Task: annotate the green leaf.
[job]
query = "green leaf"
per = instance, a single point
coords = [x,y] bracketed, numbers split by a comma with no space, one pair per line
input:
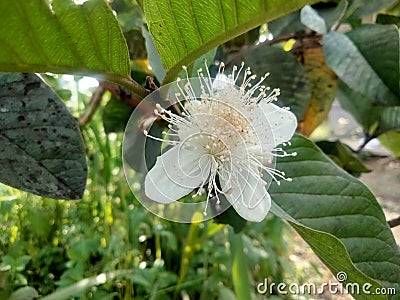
[361,8]
[286,73]
[184,30]
[21,262]
[332,15]
[225,294]
[344,157]
[199,63]
[390,119]
[24,293]
[62,38]
[41,148]
[391,141]
[388,19]
[291,23]
[40,222]
[116,115]
[84,284]
[150,149]
[353,57]
[228,216]
[338,216]
[240,277]
[359,106]
[310,17]
[287,24]
[374,118]
[154,57]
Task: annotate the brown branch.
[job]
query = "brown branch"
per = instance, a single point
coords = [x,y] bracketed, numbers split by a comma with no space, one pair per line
[125,96]
[93,105]
[394,222]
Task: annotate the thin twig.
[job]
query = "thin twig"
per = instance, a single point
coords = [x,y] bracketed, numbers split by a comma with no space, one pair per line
[93,105]
[394,222]
[368,138]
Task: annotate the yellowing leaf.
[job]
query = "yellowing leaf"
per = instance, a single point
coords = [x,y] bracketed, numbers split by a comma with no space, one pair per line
[323,89]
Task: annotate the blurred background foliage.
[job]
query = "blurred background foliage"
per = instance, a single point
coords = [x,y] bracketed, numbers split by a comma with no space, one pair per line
[107,246]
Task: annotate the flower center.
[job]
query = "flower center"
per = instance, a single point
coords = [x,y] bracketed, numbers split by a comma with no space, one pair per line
[226,123]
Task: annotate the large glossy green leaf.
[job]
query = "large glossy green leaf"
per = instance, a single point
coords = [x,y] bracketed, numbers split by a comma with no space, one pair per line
[367,60]
[335,213]
[184,30]
[62,38]
[286,73]
[41,147]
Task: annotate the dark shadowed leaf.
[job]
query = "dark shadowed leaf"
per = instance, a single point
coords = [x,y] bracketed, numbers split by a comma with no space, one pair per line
[361,8]
[116,115]
[63,38]
[41,148]
[388,19]
[338,216]
[291,23]
[343,156]
[151,148]
[286,73]
[359,106]
[332,15]
[375,119]
[287,24]
[229,216]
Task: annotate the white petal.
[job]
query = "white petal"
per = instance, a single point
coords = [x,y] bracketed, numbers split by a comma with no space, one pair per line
[248,196]
[264,136]
[283,122]
[176,173]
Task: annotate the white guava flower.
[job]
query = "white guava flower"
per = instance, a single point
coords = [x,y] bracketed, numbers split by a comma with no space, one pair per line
[224,142]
